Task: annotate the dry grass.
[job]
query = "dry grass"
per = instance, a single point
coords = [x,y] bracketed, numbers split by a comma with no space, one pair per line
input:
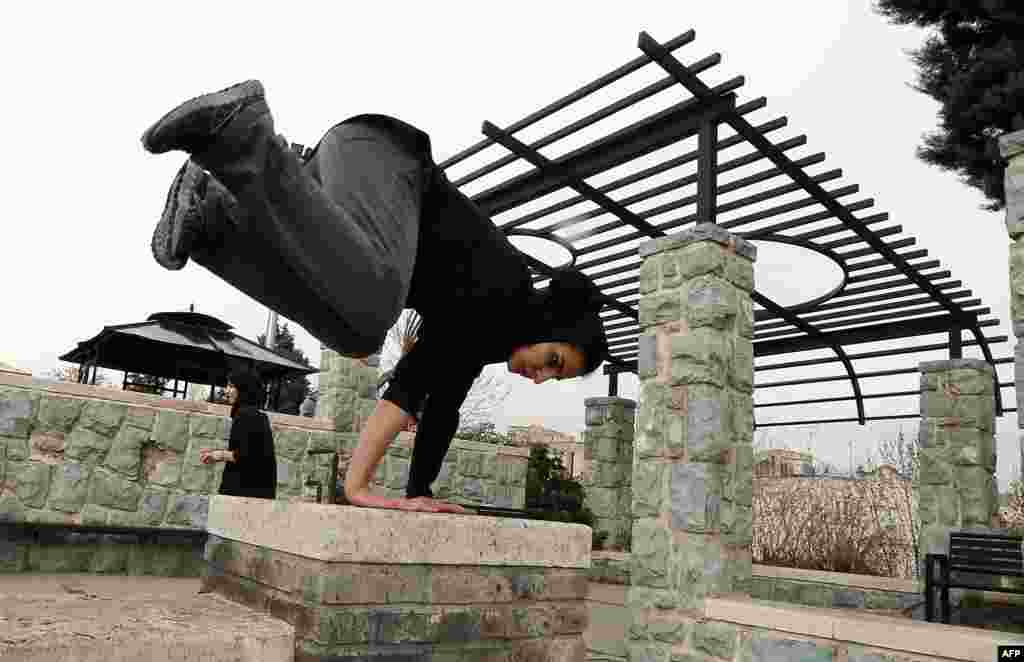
[836,525]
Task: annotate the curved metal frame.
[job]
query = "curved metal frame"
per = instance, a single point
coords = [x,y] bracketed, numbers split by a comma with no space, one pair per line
[547,236]
[820,250]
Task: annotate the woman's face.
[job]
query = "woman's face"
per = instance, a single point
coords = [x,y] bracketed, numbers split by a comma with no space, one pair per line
[231,393]
[547,360]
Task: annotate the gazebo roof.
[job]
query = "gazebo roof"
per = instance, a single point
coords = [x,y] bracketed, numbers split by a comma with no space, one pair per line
[678,147]
[182,345]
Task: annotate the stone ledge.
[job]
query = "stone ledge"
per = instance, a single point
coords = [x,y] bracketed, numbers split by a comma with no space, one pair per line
[406,440]
[896,634]
[90,392]
[838,579]
[343,534]
[955,364]
[700,232]
[598,402]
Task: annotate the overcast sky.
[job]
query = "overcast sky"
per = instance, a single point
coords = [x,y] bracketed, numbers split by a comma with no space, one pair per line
[82,197]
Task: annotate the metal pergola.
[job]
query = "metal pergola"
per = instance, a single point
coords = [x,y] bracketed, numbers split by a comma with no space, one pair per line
[600,201]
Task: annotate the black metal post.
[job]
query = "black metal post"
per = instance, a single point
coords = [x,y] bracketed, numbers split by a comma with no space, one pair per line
[707,145]
[944,565]
[956,347]
[929,587]
[613,384]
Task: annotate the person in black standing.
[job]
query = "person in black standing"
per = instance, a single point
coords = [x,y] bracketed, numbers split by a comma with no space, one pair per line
[250,468]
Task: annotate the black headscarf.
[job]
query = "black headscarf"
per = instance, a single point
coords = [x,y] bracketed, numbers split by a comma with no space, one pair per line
[250,390]
[567,312]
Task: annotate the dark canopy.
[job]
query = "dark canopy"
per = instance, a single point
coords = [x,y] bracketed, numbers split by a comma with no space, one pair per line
[184,346]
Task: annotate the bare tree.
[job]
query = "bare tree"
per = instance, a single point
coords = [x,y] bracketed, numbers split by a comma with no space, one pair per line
[72,373]
[903,454]
[487,393]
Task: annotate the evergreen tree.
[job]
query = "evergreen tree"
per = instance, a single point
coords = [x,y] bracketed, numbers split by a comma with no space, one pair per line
[972,63]
[295,389]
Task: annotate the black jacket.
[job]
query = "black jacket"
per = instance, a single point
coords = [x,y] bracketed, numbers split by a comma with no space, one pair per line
[474,291]
[254,473]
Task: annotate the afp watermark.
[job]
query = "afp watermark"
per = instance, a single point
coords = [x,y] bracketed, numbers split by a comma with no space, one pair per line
[1015,652]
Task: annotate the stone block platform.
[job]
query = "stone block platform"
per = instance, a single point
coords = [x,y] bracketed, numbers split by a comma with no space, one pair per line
[365,584]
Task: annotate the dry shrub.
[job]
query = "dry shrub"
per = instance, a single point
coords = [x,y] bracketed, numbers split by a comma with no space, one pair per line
[837,525]
[1011,516]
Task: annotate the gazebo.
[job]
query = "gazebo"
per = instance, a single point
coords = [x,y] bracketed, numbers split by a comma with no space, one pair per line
[187,347]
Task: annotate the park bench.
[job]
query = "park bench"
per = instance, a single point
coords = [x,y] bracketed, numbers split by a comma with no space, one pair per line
[971,558]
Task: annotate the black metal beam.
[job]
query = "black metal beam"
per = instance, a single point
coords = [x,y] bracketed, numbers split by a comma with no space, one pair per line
[841,398]
[594,86]
[611,302]
[991,340]
[707,164]
[686,202]
[908,329]
[565,177]
[676,123]
[594,117]
[641,175]
[700,90]
[764,315]
[812,332]
[821,421]
[898,306]
[873,318]
[734,185]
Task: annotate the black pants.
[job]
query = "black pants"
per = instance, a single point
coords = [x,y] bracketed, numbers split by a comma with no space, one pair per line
[329,243]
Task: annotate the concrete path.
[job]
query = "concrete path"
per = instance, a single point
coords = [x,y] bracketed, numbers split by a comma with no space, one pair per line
[95,618]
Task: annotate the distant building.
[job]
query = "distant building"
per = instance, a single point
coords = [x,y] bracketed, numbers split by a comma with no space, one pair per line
[570,447]
[781,463]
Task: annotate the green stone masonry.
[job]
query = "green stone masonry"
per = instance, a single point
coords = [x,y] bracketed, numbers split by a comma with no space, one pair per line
[81,455]
[692,471]
[1011,147]
[957,488]
[348,389]
[608,450]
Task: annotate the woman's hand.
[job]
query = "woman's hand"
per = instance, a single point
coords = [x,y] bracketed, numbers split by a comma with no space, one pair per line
[211,455]
[364,499]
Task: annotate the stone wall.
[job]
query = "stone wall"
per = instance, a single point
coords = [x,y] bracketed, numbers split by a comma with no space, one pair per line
[693,460]
[1011,147]
[608,444]
[85,455]
[958,453]
[814,588]
[348,390]
[472,473]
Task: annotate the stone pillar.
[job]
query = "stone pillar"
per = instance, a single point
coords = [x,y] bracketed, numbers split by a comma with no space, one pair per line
[693,460]
[608,451]
[358,583]
[348,389]
[1011,148]
[957,450]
